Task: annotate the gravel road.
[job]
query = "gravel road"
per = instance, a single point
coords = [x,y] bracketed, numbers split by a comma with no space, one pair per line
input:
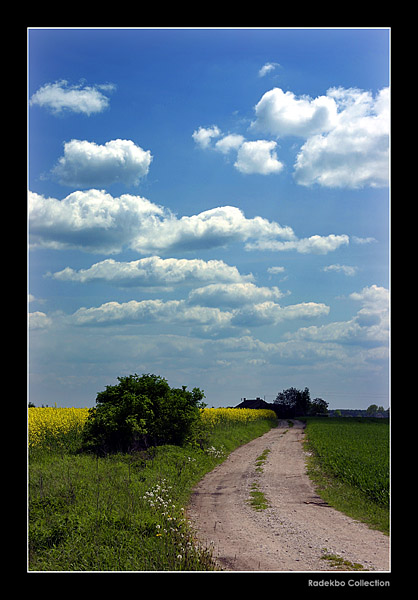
[292,533]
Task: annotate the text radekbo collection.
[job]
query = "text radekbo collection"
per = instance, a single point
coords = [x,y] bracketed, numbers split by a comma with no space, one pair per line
[349,583]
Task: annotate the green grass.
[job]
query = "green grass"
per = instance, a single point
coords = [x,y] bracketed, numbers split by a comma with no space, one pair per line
[349,464]
[257,498]
[123,512]
[340,563]
[260,460]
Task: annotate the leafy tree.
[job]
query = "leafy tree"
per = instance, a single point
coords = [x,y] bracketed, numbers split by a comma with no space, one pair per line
[292,402]
[318,407]
[142,411]
[373,409]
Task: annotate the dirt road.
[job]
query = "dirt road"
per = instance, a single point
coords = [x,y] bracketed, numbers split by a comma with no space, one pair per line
[292,533]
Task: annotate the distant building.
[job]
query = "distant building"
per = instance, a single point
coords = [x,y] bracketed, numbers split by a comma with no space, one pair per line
[257,403]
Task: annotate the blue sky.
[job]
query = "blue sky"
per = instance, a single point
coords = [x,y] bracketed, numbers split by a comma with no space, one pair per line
[212,206]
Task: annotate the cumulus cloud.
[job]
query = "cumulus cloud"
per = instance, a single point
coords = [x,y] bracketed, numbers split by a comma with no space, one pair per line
[209,229]
[258,157]
[95,221]
[275,270]
[87,164]
[232,294]
[181,312]
[60,96]
[316,244]
[229,142]
[146,311]
[282,114]
[204,135]
[344,133]
[154,271]
[38,320]
[355,152]
[346,269]
[92,220]
[271,313]
[373,296]
[370,327]
[267,68]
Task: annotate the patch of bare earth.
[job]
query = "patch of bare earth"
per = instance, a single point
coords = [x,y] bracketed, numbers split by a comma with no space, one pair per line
[292,533]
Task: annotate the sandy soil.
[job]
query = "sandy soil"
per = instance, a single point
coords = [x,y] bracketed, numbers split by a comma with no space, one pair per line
[292,533]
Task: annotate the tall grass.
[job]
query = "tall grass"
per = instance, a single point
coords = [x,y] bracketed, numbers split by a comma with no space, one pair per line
[125,512]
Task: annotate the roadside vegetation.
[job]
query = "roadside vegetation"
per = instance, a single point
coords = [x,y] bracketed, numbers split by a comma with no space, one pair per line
[101,501]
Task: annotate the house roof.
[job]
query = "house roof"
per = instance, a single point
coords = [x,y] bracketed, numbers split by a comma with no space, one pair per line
[258,403]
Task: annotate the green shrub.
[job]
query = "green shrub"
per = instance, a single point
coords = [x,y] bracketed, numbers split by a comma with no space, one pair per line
[142,411]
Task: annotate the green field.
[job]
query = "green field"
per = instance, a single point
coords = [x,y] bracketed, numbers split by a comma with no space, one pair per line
[349,462]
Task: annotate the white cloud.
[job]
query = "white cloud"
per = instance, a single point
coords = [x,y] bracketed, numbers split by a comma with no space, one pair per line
[208,319]
[275,270]
[355,152]
[232,295]
[345,133]
[60,96]
[374,295]
[316,244]
[95,221]
[229,142]
[258,157]
[86,164]
[346,269]
[204,135]
[282,113]
[370,327]
[154,271]
[360,240]
[209,229]
[270,313]
[39,320]
[90,220]
[305,310]
[174,312]
[267,68]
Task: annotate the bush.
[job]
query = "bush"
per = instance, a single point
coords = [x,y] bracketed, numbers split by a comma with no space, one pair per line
[142,411]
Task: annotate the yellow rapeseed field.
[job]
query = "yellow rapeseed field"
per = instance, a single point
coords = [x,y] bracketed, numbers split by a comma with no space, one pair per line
[217,416]
[52,423]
